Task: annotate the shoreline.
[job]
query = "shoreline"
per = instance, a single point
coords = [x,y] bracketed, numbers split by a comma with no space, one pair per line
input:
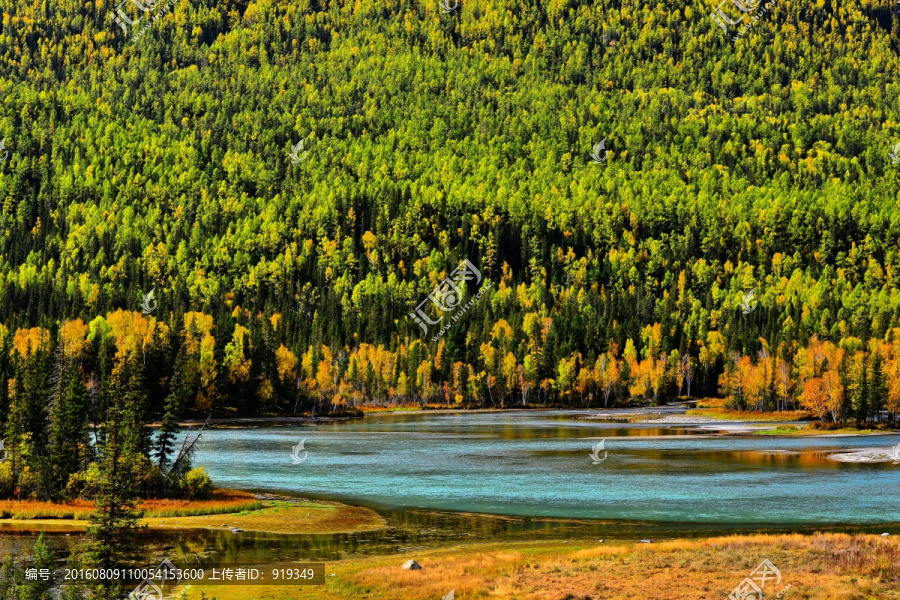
[284,515]
[249,421]
[676,415]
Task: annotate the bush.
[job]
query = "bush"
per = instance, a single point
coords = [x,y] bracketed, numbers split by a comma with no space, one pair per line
[825,425]
[148,477]
[196,484]
[7,480]
[84,484]
[75,486]
[27,484]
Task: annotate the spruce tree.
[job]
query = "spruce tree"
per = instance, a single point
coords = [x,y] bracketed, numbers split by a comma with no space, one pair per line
[877,385]
[69,442]
[115,520]
[168,429]
[41,558]
[10,579]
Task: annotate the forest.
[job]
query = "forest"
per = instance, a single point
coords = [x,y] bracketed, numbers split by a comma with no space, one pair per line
[219,208]
[166,253]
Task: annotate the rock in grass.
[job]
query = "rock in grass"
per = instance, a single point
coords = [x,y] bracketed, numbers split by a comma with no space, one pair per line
[646,541]
[411,565]
[885,534]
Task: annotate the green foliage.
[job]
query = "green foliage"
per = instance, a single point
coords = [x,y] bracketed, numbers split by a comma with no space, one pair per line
[196,484]
[41,558]
[121,464]
[13,583]
[7,479]
[69,448]
[163,163]
[84,484]
[10,579]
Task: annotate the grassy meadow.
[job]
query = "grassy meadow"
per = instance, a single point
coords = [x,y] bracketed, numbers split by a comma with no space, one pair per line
[821,567]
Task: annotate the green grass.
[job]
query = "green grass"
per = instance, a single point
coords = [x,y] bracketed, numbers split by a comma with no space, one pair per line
[205,510]
[780,430]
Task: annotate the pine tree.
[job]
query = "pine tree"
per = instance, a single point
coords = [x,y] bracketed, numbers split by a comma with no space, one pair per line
[877,385]
[5,374]
[69,443]
[859,391]
[115,520]
[175,402]
[132,389]
[41,558]
[35,374]
[10,579]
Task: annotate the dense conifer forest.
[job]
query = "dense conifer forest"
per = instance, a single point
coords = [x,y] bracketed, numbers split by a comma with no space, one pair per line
[736,233]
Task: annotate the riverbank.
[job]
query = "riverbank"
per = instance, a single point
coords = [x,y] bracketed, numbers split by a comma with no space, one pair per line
[818,566]
[233,510]
[713,413]
[259,421]
[707,412]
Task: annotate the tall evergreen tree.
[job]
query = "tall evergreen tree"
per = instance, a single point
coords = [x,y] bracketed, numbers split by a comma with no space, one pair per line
[41,558]
[69,439]
[165,437]
[877,386]
[115,520]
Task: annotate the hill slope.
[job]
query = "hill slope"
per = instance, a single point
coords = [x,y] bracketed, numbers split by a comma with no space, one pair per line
[163,162]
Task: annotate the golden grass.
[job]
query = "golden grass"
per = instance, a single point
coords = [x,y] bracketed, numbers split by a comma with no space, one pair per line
[810,431]
[712,403]
[33,509]
[783,430]
[748,415]
[821,567]
[391,408]
[222,501]
[269,516]
[283,517]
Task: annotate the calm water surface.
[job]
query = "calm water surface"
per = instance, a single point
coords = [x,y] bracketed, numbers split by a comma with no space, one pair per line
[538,464]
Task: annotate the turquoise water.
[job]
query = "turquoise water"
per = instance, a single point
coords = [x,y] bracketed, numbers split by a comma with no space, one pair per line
[538,464]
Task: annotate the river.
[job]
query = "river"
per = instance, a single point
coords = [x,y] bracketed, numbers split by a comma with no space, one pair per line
[539,464]
[446,478]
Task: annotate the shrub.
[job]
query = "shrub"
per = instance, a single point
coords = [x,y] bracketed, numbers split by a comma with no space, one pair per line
[196,484]
[148,477]
[75,485]
[27,484]
[88,482]
[7,480]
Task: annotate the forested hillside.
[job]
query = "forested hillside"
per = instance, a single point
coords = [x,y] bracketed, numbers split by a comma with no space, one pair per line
[162,163]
